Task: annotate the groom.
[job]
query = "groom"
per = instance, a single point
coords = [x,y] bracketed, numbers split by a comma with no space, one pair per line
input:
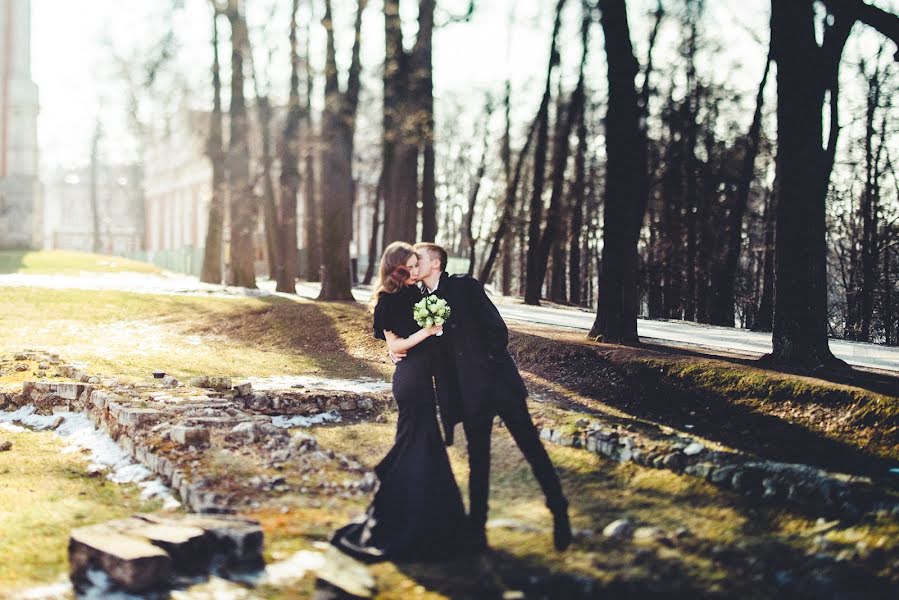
[483,381]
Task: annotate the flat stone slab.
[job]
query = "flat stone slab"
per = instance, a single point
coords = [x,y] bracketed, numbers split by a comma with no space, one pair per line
[132,563]
[141,552]
[189,436]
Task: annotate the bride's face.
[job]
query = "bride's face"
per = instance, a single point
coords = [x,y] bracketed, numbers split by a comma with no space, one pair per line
[412,265]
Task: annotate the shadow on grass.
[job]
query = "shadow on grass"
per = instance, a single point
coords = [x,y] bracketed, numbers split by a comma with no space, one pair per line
[878,382]
[329,334]
[616,377]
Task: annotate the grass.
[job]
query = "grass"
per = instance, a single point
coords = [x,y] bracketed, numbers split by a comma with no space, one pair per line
[44,495]
[131,335]
[69,262]
[600,491]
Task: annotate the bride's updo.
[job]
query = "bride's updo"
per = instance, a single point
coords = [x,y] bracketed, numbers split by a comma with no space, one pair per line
[393,272]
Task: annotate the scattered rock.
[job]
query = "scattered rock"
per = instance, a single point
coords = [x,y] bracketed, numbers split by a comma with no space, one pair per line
[200,381]
[243,389]
[189,436]
[220,383]
[21,367]
[5,446]
[169,381]
[621,528]
[693,449]
[302,442]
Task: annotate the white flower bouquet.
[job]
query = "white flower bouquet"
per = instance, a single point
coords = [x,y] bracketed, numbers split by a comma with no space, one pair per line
[430,311]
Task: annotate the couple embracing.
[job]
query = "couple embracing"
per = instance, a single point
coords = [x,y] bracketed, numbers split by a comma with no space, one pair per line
[464,365]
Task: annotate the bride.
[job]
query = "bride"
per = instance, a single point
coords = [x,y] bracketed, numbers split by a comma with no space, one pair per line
[417,512]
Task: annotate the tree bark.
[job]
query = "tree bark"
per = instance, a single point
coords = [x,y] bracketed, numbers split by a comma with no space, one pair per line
[312,222]
[212,252]
[534,274]
[338,128]
[625,193]
[290,171]
[243,222]
[506,215]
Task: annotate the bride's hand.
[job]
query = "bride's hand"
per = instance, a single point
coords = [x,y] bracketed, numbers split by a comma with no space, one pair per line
[436,329]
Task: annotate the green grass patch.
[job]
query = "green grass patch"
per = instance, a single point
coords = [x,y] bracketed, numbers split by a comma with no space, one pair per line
[43,496]
[69,262]
[131,335]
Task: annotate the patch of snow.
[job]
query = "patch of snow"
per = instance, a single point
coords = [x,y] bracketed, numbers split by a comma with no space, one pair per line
[304,421]
[360,386]
[293,568]
[79,434]
[127,281]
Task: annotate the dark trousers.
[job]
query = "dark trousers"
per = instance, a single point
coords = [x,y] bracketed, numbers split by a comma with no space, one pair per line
[517,419]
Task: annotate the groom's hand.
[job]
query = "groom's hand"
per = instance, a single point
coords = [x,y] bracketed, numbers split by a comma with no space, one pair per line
[396,356]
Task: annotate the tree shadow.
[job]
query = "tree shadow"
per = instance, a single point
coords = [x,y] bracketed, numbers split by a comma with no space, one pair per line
[645,393]
[316,331]
[872,380]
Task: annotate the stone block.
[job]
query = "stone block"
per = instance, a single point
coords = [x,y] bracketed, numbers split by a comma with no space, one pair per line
[189,436]
[132,563]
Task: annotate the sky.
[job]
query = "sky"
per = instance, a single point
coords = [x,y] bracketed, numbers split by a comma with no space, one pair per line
[72,45]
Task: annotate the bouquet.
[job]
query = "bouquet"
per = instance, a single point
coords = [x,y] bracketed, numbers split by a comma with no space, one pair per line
[431,311]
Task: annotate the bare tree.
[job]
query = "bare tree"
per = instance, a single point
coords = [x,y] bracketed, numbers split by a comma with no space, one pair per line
[807,73]
[337,185]
[626,183]
[290,172]
[243,222]
[212,252]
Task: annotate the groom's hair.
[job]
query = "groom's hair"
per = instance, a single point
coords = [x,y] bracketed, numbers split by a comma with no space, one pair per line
[433,250]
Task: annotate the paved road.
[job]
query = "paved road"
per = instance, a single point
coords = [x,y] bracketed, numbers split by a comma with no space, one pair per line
[677,332]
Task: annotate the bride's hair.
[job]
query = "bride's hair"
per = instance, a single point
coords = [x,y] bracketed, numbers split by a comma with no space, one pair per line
[393,272]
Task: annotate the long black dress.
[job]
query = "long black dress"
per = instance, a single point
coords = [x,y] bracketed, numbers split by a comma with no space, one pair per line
[417,512]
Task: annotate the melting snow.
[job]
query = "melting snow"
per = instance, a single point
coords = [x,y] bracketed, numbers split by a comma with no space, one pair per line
[79,433]
[304,421]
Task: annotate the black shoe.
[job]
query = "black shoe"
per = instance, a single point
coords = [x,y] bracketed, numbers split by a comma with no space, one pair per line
[561,530]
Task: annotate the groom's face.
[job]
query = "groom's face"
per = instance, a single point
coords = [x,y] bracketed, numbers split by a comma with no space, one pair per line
[429,264]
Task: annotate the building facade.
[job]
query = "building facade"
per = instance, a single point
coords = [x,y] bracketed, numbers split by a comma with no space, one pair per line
[69,209]
[20,189]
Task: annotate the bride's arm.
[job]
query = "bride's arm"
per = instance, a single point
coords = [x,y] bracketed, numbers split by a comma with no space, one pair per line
[396,343]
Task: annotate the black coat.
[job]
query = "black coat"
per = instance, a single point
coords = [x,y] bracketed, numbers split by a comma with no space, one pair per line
[477,371]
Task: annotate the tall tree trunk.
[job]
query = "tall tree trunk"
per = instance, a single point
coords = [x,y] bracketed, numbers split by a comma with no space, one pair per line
[578,192]
[723,308]
[375,227]
[408,127]
[800,299]
[869,207]
[765,312]
[534,275]
[312,222]
[423,85]
[508,211]
[270,209]
[690,109]
[338,128]
[212,252]
[626,187]
[243,222]
[290,171]
[470,241]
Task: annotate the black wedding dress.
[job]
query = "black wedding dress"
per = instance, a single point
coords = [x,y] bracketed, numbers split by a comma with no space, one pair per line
[417,512]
